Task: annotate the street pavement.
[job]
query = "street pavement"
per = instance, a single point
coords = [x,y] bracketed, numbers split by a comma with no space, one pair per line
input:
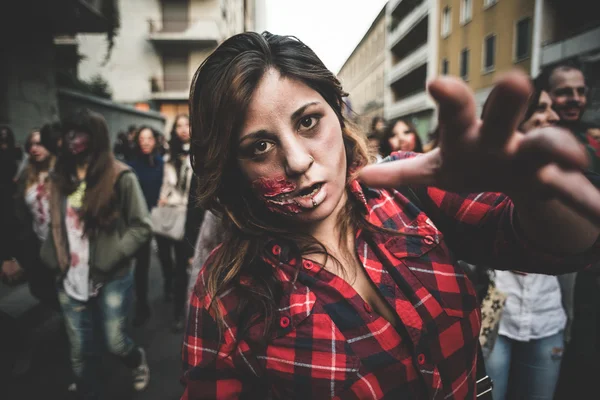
[42,368]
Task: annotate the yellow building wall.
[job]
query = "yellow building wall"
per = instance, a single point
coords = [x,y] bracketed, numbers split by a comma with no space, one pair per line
[499,19]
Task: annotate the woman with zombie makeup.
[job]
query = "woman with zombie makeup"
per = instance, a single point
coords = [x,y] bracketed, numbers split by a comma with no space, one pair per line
[99,220]
[400,136]
[148,165]
[330,282]
[33,216]
[175,191]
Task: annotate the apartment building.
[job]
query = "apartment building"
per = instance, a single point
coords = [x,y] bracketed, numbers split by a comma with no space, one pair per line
[160,45]
[363,74]
[479,39]
[411,61]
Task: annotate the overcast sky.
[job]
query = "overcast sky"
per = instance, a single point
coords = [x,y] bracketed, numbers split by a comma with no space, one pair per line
[332,28]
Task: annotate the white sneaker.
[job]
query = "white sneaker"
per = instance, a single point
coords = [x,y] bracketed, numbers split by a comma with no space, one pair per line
[141,374]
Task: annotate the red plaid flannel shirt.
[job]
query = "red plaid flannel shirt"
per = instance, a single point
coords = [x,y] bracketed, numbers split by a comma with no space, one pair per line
[328,343]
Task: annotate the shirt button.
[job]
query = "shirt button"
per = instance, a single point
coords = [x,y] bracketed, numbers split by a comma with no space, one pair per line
[428,240]
[368,308]
[308,264]
[421,359]
[276,250]
[284,322]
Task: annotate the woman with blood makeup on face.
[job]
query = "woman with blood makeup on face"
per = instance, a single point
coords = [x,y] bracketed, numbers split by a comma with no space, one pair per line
[98,221]
[32,213]
[335,279]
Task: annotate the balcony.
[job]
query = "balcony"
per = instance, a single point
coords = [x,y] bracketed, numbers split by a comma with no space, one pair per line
[408,23]
[408,64]
[175,88]
[419,101]
[203,33]
[572,47]
[401,8]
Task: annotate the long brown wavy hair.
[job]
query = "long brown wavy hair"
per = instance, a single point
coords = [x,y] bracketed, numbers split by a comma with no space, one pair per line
[220,94]
[34,169]
[100,209]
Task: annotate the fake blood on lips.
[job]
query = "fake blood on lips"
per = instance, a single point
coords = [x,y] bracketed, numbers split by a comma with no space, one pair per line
[271,188]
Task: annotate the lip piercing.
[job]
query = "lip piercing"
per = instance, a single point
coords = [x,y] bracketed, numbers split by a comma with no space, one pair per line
[314,202]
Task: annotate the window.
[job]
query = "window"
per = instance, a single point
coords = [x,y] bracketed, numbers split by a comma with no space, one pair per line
[446,22]
[464,64]
[466,11]
[445,66]
[489,3]
[523,38]
[489,53]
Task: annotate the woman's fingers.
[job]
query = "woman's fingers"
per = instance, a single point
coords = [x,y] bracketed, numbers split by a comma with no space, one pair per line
[420,170]
[456,105]
[505,108]
[552,145]
[573,189]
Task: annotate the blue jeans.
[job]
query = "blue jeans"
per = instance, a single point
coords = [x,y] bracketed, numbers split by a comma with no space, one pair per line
[525,370]
[101,320]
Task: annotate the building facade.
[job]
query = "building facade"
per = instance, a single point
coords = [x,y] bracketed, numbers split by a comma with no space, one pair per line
[160,45]
[363,74]
[411,59]
[480,39]
[28,84]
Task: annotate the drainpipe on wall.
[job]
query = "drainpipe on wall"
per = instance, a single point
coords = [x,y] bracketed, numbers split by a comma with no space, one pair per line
[536,39]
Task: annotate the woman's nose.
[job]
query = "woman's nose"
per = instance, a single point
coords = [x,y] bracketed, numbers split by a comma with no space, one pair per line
[297,160]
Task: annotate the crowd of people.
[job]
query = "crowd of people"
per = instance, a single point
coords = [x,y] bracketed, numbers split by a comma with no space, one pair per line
[313,260]
[77,210]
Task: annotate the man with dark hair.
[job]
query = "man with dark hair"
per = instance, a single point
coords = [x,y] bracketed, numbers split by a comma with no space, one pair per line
[565,83]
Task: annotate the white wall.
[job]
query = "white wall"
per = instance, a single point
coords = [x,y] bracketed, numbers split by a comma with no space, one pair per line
[133,60]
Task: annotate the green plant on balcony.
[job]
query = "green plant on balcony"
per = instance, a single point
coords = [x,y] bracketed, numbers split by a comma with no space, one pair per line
[110,9]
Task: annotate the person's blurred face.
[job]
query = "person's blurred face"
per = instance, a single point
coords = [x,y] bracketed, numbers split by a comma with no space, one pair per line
[543,115]
[37,152]
[291,150]
[379,126]
[594,133]
[568,93]
[146,141]
[182,128]
[403,138]
[77,142]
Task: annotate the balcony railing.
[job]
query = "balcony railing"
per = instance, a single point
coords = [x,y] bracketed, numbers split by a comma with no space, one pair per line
[170,88]
[419,101]
[203,31]
[571,47]
[408,23]
[408,64]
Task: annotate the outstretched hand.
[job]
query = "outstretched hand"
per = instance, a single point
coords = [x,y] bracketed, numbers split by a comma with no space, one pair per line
[490,154]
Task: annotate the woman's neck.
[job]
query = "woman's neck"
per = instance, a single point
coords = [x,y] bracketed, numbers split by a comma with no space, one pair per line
[337,239]
[81,171]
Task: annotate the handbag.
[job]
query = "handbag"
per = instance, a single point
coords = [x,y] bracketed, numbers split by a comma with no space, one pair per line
[169,221]
[491,312]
